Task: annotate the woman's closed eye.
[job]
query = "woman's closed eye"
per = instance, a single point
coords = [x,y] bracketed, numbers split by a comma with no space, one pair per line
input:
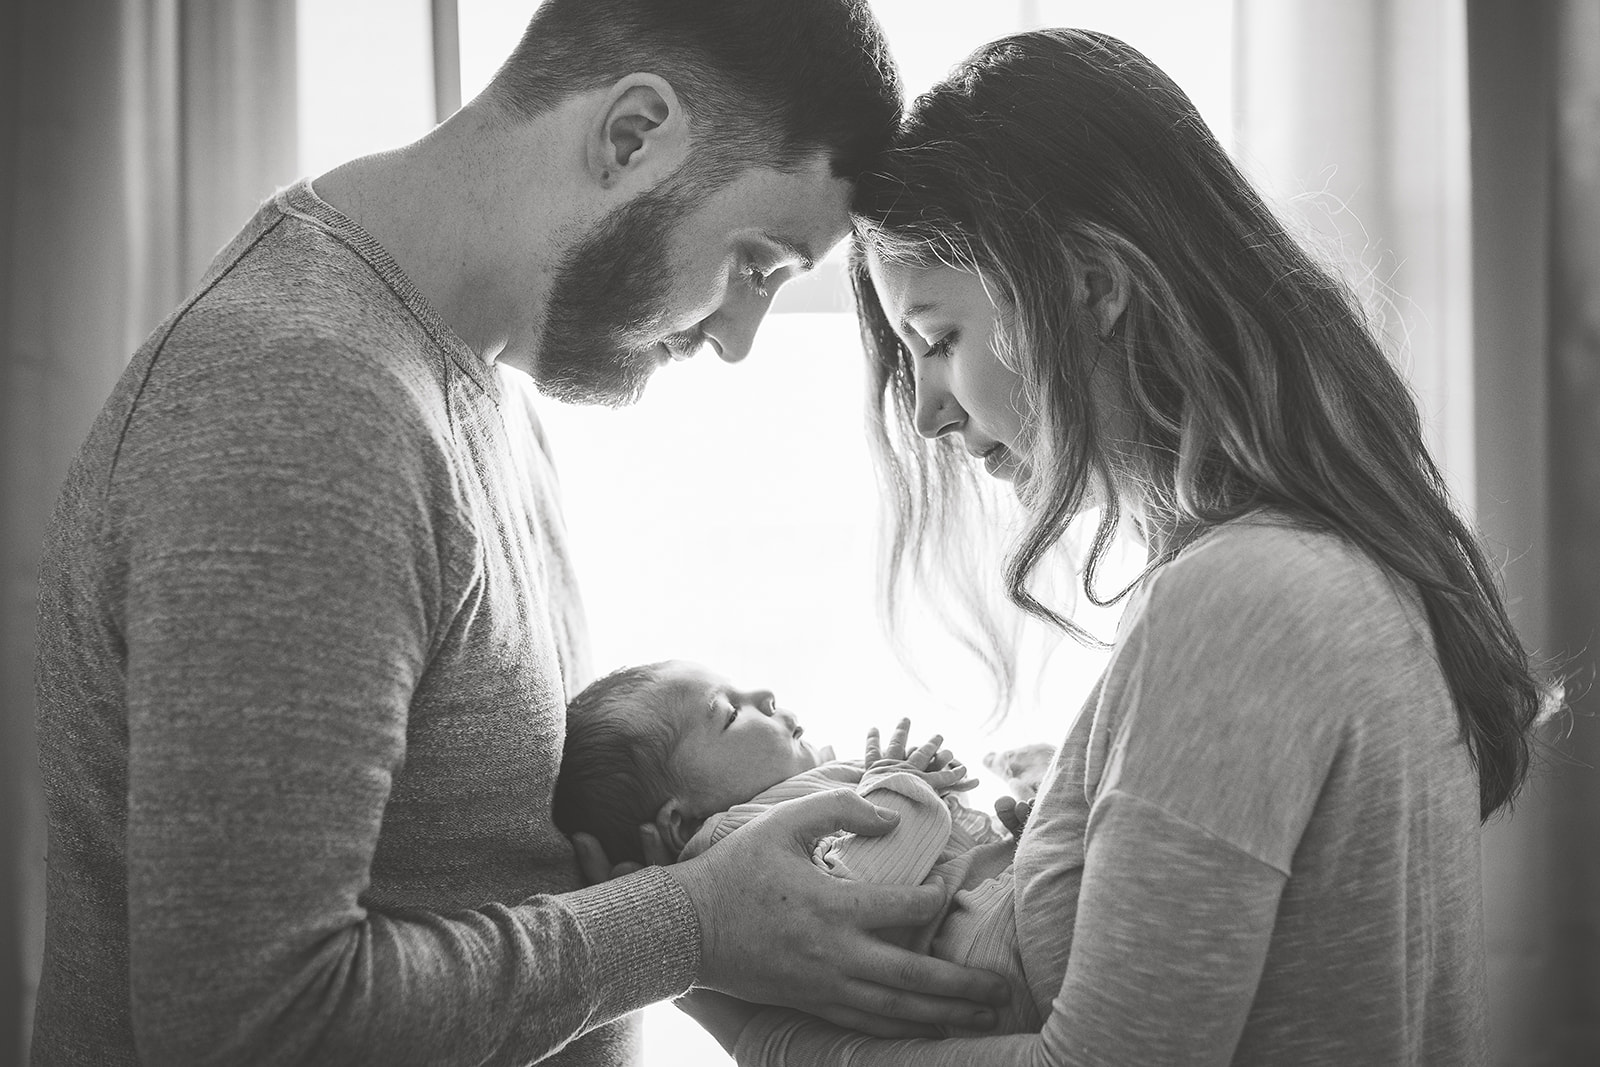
[942,346]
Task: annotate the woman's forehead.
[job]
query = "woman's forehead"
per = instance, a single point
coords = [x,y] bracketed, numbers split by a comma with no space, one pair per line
[910,291]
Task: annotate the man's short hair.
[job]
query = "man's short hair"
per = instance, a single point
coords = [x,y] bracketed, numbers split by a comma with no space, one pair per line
[768,82]
[614,773]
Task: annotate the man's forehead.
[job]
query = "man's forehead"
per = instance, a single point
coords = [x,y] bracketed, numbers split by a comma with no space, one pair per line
[804,210]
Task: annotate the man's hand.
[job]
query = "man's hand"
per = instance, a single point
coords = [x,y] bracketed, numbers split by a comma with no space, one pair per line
[776,930]
[596,865]
[931,762]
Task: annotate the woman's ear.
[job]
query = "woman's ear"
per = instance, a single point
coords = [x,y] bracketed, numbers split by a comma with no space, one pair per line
[675,826]
[640,132]
[1107,286]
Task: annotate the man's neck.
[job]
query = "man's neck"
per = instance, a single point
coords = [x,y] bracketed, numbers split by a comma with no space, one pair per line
[475,247]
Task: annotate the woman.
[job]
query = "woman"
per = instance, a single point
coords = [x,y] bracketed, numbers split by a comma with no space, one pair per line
[1273,798]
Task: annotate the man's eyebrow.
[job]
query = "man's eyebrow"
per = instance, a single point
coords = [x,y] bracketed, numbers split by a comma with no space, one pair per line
[912,312]
[808,260]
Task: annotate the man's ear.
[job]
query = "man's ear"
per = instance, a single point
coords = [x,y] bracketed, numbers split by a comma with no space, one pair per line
[641,131]
[1107,287]
[676,826]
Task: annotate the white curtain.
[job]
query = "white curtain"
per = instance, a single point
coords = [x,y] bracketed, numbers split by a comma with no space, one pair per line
[135,138]
[1450,149]
[1352,114]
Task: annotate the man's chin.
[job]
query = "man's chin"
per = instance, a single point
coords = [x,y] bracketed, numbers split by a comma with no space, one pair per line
[619,383]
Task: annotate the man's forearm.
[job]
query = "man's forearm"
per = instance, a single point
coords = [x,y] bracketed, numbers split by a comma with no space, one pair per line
[494,985]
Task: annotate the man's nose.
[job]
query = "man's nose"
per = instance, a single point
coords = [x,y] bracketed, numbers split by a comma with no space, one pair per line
[732,328]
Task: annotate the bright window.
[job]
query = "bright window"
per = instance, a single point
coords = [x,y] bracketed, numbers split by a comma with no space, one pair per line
[730,516]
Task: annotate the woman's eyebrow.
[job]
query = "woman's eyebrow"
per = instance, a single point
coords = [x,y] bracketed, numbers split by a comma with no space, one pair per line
[912,312]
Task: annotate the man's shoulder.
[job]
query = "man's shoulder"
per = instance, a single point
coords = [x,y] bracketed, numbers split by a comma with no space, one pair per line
[301,290]
[294,323]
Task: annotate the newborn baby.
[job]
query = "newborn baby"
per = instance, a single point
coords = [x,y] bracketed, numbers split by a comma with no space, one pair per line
[677,747]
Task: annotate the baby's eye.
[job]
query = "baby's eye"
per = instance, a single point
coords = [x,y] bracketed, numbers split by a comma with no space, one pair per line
[732,716]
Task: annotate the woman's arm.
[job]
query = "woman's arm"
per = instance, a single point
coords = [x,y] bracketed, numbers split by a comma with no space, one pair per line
[721,1016]
[1173,926]
[1217,722]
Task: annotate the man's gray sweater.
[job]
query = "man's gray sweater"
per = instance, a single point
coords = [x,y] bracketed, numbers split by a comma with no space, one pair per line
[307,627]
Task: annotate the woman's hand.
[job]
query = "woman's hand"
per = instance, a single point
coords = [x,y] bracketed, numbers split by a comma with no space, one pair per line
[721,1016]
[1013,814]
[931,762]
[597,866]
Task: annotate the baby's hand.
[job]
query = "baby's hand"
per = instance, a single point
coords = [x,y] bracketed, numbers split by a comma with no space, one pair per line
[931,762]
[1013,814]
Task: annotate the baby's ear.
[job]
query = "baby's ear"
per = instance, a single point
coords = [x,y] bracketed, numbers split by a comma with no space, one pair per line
[675,826]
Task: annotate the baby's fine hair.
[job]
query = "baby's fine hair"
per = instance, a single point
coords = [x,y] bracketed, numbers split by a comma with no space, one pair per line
[614,773]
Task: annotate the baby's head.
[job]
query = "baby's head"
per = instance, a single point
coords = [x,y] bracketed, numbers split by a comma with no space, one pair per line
[671,744]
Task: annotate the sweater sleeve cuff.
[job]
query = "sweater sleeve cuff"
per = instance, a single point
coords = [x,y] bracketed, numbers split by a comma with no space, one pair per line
[643,937]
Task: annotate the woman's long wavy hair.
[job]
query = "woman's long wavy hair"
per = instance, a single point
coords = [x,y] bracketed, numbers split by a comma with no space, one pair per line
[1248,374]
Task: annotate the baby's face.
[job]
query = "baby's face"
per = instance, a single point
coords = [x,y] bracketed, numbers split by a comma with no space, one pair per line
[732,743]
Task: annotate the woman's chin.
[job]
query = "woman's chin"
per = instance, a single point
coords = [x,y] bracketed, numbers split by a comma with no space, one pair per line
[1017,474]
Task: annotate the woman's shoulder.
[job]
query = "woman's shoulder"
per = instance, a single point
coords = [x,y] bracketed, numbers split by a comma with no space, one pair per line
[1256,659]
[1271,563]
[1267,585]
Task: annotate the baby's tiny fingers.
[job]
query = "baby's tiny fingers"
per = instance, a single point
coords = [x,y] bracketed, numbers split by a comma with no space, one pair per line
[950,779]
[873,753]
[923,755]
[897,740]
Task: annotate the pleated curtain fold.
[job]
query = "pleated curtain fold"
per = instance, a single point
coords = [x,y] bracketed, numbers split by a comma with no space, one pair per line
[135,137]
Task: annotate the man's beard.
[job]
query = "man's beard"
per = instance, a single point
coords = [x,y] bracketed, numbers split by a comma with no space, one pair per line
[609,303]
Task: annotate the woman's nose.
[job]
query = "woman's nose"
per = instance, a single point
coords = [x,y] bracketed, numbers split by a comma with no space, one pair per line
[937,412]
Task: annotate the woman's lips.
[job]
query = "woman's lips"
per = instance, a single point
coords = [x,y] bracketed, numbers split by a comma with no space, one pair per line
[994,459]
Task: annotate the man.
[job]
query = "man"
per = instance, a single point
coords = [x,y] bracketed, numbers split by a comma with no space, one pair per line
[307,625]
